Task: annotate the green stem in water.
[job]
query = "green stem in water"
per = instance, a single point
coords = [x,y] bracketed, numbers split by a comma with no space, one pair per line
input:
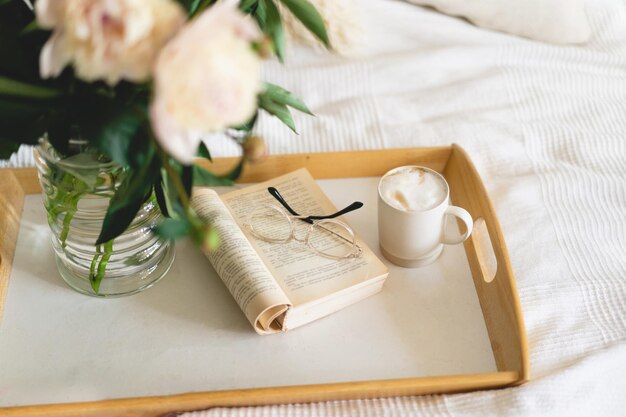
[71,204]
[65,202]
[66,226]
[96,273]
[92,267]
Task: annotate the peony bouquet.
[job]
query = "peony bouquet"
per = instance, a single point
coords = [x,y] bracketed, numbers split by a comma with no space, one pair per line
[143,82]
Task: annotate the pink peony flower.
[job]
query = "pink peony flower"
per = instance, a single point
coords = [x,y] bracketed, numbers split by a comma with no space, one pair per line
[206,79]
[106,39]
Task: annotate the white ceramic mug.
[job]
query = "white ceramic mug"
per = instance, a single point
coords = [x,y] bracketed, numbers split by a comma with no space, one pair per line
[412,238]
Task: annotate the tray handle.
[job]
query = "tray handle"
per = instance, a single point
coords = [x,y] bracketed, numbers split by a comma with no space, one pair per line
[484,250]
[493,279]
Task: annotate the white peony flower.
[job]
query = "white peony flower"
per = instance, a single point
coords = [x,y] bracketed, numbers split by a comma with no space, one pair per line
[106,39]
[206,79]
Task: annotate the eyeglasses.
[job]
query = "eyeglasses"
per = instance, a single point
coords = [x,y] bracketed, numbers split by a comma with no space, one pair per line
[325,235]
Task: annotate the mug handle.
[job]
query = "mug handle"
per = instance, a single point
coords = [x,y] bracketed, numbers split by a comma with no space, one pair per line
[454,238]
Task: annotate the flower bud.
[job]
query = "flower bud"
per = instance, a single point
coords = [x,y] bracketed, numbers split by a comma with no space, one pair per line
[254,149]
[264,47]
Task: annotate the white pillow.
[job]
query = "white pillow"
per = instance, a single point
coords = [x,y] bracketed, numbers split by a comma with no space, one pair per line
[553,21]
[343,20]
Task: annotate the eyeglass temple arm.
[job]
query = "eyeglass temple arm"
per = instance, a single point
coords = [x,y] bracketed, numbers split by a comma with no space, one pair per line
[274,193]
[354,206]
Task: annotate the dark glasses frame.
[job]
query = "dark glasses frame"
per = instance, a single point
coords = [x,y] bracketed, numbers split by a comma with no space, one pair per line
[309,219]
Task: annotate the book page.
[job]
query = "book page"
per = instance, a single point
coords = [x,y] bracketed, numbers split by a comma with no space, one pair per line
[304,275]
[236,262]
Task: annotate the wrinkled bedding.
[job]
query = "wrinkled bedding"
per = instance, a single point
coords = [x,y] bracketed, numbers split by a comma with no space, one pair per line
[546,128]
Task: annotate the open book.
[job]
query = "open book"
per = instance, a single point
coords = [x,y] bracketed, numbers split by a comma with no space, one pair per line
[280,286]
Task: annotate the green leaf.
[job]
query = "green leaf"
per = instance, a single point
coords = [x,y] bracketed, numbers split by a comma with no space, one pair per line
[198,6]
[279,110]
[246,5]
[249,125]
[186,177]
[127,201]
[12,87]
[310,18]
[212,239]
[160,196]
[193,6]
[205,178]
[25,120]
[82,167]
[122,209]
[203,152]
[173,228]
[260,14]
[113,131]
[59,131]
[118,147]
[7,148]
[274,28]
[281,96]
[31,27]
[236,172]
[174,206]
[11,107]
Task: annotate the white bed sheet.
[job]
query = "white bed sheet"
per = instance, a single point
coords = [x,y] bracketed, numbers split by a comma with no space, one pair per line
[546,128]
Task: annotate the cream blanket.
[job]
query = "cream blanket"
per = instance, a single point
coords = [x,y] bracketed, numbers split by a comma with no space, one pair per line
[546,127]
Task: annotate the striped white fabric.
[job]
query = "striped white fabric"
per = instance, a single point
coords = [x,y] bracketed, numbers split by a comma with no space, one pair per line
[546,127]
[21,159]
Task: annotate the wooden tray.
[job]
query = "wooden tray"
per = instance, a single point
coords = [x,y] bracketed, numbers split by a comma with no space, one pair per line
[486,253]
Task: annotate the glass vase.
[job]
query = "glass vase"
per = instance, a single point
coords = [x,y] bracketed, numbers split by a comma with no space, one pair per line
[76,195]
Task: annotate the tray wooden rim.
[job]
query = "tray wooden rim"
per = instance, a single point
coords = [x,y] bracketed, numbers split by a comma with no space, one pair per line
[505,327]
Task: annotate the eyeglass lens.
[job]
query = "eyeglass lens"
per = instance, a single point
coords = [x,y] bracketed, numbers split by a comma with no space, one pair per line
[271,223]
[331,239]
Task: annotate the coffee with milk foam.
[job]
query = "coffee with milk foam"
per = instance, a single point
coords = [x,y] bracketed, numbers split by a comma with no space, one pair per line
[413,189]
